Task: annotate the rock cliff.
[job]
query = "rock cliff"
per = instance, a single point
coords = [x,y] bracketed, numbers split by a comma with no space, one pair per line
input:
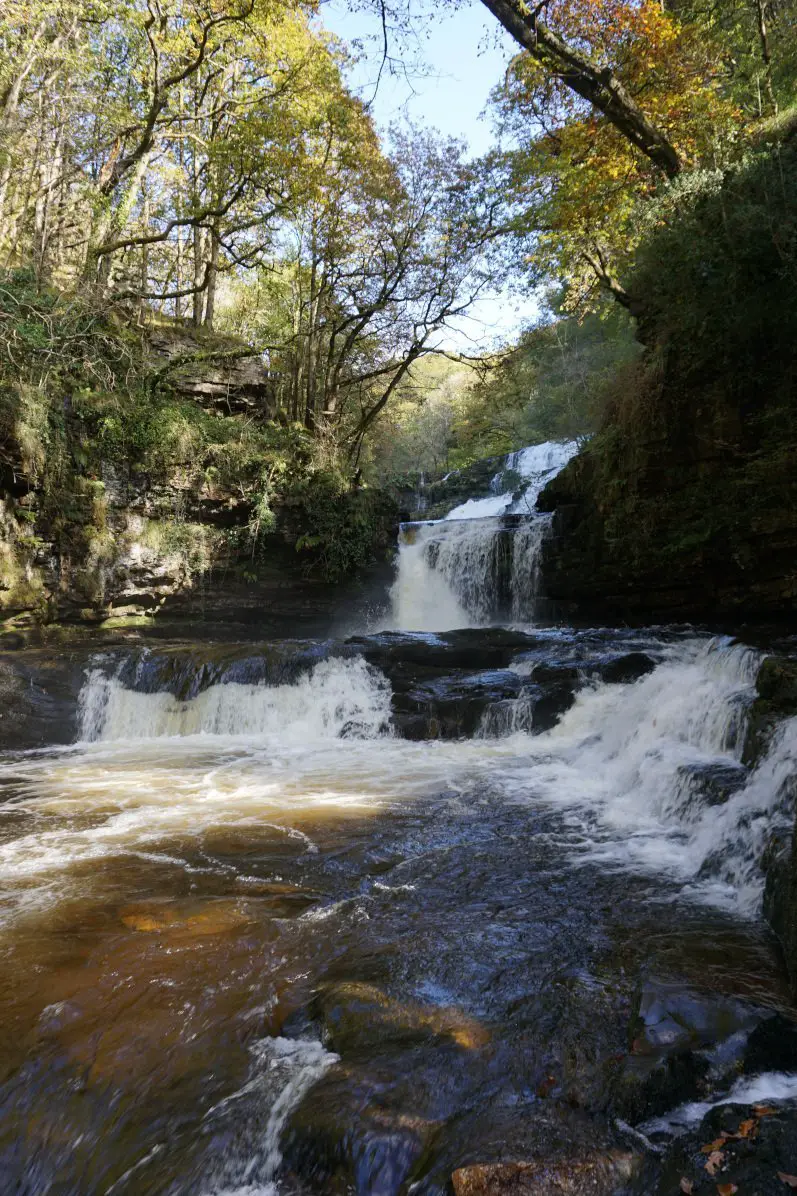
[684,507]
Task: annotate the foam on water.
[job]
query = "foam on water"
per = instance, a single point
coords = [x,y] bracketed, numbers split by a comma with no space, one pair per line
[620,761]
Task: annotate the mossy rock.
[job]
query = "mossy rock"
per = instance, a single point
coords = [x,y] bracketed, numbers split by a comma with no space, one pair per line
[776,688]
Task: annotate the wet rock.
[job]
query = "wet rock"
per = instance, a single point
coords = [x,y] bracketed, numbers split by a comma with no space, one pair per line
[454,705]
[347,1137]
[673,1033]
[356,1015]
[470,649]
[629,667]
[542,1178]
[647,1087]
[776,699]
[550,705]
[712,783]
[771,1046]
[181,919]
[38,699]
[746,1147]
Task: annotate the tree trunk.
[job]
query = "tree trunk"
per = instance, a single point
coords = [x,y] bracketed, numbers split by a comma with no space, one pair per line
[199,269]
[766,54]
[213,269]
[599,86]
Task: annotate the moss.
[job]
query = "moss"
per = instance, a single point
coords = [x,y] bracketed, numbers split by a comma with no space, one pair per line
[776,699]
[90,425]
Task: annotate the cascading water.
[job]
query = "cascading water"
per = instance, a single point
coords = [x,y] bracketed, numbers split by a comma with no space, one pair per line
[338,698]
[480,563]
[271,933]
[625,759]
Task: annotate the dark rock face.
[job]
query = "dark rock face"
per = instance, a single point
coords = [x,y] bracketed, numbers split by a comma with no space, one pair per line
[435,499]
[776,700]
[684,506]
[235,381]
[712,784]
[694,545]
[38,699]
[752,1146]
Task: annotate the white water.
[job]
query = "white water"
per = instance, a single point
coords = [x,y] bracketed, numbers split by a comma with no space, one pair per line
[156,777]
[536,465]
[340,697]
[284,1070]
[157,771]
[446,575]
[751,1090]
[450,572]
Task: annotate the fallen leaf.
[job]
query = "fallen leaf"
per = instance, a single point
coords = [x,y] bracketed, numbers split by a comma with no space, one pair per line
[748,1129]
[726,1189]
[763,1110]
[715,1161]
[717,1144]
[790,1180]
[687,1186]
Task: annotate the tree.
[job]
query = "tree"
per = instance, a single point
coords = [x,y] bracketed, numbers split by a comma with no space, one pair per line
[383,257]
[157,142]
[577,179]
[572,64]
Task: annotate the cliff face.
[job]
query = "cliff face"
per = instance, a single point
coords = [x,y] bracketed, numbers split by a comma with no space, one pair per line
[684,507]
[152,492]
[674,536]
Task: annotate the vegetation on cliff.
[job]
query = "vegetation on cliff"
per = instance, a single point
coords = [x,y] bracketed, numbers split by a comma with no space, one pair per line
[111,466]
[183,165]
[684,503]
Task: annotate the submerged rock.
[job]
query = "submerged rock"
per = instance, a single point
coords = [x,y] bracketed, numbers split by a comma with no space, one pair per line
[600,1175]
[356,1015]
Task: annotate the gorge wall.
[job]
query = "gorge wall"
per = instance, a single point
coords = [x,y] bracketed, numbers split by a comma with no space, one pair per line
[684,506]
[150,471]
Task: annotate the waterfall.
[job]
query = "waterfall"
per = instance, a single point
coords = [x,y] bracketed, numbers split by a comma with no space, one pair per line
[635,766]
[481,563]
[534,467]
[338,698]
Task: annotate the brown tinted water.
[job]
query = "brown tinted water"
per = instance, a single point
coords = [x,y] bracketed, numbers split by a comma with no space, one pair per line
[253,942]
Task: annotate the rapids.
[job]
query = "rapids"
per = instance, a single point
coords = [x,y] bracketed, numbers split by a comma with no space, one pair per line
[275,924]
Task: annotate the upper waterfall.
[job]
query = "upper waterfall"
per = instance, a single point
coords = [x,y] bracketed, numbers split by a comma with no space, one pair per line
[518,484]
[479,564]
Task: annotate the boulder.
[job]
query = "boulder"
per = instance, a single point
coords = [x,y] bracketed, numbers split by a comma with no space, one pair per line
[600,1176]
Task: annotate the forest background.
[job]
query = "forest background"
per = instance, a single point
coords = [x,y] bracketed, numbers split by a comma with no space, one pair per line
[204,165]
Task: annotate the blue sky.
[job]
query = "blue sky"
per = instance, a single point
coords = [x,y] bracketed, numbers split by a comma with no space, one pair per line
[463,52]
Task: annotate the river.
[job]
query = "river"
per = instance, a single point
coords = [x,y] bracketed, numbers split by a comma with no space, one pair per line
[307,917]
